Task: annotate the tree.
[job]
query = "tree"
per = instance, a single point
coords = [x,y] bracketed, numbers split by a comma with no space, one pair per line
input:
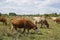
[6,15]
[54,14]
[12,14]
[0,14]
[46,15]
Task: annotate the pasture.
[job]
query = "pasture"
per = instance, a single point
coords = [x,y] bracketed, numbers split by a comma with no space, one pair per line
[53,33]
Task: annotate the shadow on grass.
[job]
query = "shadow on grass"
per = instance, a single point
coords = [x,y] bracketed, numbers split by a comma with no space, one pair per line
[32,33]
[46,27]
[36,33]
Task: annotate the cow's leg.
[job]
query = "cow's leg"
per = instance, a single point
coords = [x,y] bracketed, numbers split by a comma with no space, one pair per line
[35,22]
[47,25]
[16,28]
[28,30]
[11,27]
[41,25]
[23,30]
[5,23]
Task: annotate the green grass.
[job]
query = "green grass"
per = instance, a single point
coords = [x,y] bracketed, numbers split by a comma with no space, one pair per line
[53,33]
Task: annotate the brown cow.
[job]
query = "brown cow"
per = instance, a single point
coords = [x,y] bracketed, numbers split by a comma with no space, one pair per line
[4,20]
[22,23]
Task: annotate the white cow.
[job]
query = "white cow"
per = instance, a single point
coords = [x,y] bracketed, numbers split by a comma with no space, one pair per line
[37,19]
[56,19]
[53,18]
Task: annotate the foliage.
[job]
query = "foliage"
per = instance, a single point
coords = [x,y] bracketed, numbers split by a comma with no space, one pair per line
[12,14]
[51,14]
[46,15]
[0,14]
[54,14]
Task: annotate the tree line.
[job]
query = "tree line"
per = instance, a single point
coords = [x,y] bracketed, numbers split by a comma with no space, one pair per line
[14,14]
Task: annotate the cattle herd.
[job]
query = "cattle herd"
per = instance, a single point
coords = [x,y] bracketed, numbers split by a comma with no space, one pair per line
[27,24]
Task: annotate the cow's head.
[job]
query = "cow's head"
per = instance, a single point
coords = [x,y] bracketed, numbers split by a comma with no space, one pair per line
[35,28]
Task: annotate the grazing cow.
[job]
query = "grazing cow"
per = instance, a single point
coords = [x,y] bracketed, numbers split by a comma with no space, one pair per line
[56,19]
[53,18]
[23,23]
[4,20]
[41,20]
[44,22]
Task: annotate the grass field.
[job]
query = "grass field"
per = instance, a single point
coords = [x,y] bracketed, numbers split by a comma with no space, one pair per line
[53,33]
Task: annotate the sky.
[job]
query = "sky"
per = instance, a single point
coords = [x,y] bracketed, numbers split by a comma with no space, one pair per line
[30,6]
